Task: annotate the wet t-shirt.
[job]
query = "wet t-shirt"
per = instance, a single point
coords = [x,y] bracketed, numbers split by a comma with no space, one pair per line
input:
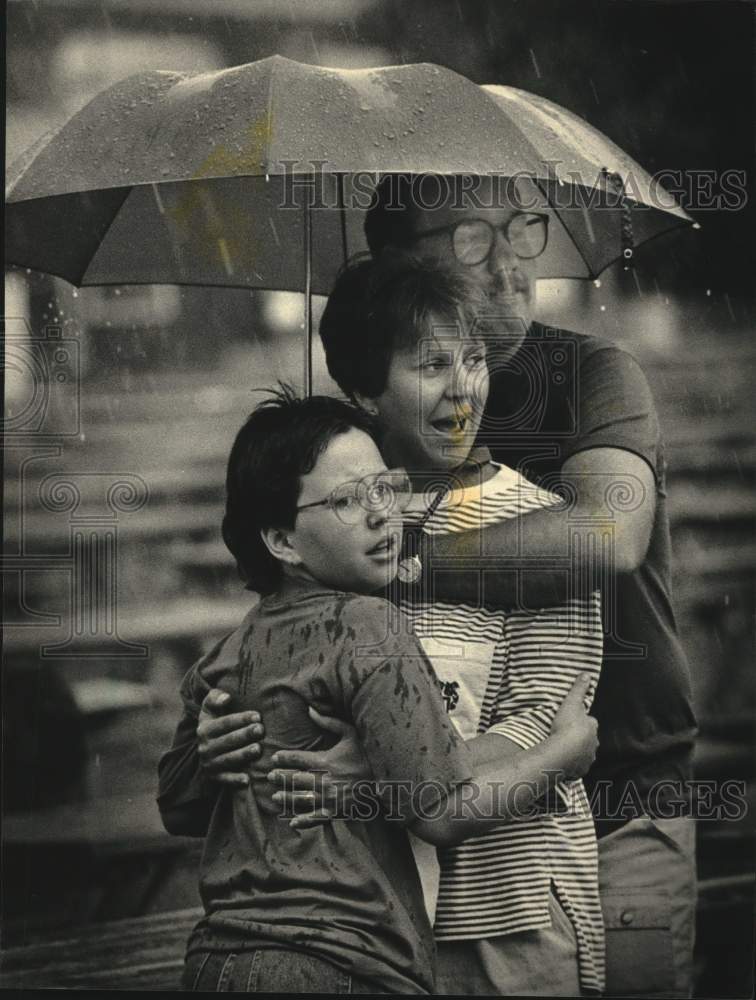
[347,891]
[564,393]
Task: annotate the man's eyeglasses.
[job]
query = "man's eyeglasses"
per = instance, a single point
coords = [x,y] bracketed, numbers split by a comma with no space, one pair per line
[473,239]
[383,492]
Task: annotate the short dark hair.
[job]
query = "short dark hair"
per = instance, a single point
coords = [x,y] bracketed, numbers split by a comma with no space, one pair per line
[379,305]
[279,443]
[387,217]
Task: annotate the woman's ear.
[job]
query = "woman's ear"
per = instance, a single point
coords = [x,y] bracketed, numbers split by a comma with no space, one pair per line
[366,403]
[278,542]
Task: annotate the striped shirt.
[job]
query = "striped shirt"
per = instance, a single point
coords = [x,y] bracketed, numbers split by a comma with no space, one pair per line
[507,673]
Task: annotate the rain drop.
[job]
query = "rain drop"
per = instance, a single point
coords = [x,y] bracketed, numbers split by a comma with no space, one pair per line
[597,283]
[602,308]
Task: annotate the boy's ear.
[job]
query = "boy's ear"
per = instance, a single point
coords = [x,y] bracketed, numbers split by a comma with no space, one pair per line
[278,543]
[366,403]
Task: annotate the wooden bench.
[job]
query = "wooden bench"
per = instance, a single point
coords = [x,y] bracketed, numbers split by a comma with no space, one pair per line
[80,863]
[147,953]
[143,953]
[175,622]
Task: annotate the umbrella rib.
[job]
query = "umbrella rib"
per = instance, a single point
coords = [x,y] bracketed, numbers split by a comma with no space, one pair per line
[102,239]
[575,243]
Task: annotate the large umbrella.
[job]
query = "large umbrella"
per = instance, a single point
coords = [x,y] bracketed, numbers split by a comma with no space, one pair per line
[257,176]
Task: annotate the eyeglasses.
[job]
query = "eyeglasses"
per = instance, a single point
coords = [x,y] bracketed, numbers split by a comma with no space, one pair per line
[472,239]
[382,492]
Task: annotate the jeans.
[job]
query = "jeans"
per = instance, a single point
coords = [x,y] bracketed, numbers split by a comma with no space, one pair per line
[267,970]
[647,879]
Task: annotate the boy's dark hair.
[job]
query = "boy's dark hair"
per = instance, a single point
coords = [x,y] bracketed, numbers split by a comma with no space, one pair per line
[280,442]
[380,305]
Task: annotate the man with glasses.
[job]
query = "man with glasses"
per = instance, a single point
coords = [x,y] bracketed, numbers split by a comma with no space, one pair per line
[568,409]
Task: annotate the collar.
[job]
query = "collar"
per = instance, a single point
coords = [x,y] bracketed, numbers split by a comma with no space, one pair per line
[294,588]
[469,473]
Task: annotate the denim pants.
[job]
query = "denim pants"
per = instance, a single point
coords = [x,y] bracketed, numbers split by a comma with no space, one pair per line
[267,970]
[647,879]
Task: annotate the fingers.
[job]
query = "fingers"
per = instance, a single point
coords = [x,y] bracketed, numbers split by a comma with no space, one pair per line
[296,801]
[234,761]
[578,691]
[230,733]
[216,701]
[329,723]
[296,781]
[299,760]
[309,820]
[233,779]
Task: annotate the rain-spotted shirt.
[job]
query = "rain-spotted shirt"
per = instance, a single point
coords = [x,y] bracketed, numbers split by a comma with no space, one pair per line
[347,892]
[507,673]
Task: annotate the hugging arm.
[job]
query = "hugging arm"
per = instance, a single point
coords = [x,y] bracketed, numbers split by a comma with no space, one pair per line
[561,538]
[211,746]
[508,788]
[610,478]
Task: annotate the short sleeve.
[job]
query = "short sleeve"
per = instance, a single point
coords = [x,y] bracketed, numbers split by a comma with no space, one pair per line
[391,692]
[616,407]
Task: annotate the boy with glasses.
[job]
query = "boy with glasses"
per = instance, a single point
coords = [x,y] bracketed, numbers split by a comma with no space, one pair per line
[518,907]
[313,518]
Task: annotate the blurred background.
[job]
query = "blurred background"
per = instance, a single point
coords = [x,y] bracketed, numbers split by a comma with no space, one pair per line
[146,386]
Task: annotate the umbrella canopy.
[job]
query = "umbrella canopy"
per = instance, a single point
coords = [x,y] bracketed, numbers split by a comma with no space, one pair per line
[605,200]
[257,176]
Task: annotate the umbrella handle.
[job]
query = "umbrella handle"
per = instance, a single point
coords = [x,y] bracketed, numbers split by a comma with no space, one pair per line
[308,294]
